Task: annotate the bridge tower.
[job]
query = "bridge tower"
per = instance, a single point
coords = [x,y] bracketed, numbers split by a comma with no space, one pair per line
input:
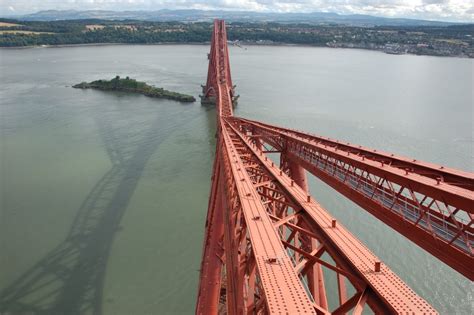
[219,67]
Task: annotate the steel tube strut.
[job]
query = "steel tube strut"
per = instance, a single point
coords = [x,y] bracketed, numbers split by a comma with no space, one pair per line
[314,273]
[437,216]
[267,242]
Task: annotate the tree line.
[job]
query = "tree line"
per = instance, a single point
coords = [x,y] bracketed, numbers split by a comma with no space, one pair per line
[149,32]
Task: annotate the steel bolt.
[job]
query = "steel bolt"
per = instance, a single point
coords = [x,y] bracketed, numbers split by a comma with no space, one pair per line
[377,266]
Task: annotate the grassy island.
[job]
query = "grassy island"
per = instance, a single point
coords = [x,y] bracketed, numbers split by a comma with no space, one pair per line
[134,86]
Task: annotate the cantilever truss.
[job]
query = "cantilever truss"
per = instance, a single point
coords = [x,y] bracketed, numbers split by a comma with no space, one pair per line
[277,240]
[269,247]
[429,204]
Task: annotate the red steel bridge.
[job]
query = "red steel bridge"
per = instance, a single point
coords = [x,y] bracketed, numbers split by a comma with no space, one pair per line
[270,247]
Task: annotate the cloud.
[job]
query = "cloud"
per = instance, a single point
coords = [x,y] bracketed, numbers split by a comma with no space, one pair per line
[449,10]
[435,1]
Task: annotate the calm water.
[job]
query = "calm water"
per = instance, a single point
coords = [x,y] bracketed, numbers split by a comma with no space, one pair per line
[104,195]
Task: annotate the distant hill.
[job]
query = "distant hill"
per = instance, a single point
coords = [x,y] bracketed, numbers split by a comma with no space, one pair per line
[231,16]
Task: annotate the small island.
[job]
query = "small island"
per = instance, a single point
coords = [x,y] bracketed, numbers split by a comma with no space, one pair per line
[134,86]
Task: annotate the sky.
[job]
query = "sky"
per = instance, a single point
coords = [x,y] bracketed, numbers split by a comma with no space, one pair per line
[444,10]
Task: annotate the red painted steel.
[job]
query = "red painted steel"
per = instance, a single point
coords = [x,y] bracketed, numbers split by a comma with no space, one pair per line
[406,194]
[218,88]
[314,274]
[298,219]
[267,243]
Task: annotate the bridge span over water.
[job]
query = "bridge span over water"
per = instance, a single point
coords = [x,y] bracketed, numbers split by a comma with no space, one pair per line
[269,246]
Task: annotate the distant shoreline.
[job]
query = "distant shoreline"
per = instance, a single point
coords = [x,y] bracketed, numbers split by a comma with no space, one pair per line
[208,43]
[102,44]
[446,41]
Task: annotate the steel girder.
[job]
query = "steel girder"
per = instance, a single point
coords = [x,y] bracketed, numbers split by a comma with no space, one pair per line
[405,194]
[267,248]
[300,222]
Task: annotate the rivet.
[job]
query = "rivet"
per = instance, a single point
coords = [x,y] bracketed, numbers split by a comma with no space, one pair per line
[292,183]
[308,198]
[333,223]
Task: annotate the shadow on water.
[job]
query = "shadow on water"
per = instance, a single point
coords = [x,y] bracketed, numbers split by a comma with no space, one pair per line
[70,278]
[210,114]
